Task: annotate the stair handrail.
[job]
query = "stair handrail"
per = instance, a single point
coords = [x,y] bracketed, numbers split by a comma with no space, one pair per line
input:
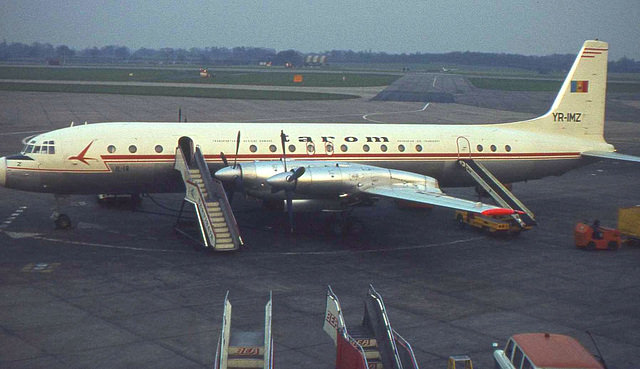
[226,332]
[219,192]
[388,330]
[182,165]
[268,340]
[406,345]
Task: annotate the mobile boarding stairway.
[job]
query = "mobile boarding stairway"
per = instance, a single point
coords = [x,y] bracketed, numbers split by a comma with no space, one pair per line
[372,345]
[218,226]
[498,191]
[244,349]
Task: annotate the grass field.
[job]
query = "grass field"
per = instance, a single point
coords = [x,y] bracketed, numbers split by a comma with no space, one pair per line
[506,84]
[219,93]
[264,78]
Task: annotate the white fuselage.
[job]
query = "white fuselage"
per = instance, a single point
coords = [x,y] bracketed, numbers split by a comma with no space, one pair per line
[139,157]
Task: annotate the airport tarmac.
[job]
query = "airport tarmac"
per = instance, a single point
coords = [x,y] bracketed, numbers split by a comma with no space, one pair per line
[122,289]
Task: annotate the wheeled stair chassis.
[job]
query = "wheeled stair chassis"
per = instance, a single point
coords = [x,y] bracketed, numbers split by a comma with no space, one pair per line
[218,227]
[244,349]
[372,345]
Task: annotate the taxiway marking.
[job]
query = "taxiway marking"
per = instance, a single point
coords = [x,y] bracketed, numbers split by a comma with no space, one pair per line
[434,81]
[19,133]
[393,112]
[402,248]
[12,217]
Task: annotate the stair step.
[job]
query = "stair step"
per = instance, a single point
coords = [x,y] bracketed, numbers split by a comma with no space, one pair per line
[218,219]
[218,224]
[245,363]
[220,235]
[245,351]
[367,342]
[224,240]
[372,353]
[224,246]
[374,364]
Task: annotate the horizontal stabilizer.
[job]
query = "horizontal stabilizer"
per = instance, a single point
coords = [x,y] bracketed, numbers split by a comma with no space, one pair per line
[611,155]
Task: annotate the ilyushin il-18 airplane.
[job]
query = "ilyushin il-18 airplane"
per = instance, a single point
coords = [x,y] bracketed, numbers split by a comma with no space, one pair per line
[324,165]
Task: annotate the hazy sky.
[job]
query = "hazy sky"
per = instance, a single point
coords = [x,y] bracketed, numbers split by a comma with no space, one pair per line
[512,26]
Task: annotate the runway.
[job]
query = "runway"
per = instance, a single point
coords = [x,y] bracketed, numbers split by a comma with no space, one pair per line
[122,289]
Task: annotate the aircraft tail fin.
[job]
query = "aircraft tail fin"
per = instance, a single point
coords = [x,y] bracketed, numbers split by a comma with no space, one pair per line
[578,109]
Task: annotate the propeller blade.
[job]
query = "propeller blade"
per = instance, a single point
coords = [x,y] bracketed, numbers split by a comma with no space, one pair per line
[296,174]
[283,137]
[224,159]
[290,208]
[235,159]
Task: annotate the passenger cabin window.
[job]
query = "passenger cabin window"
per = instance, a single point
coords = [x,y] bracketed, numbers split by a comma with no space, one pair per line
[507,148]
[253,148]
[365,148]
[383,148]
[133,149]
[273,148]
[292,148]
[493,148]
[111,149]
[480,148]
[158,149]
[344,148]
[328,148]
[418,148]
[401,148]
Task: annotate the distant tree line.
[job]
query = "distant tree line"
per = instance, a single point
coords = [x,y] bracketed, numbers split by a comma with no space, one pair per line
[18,52]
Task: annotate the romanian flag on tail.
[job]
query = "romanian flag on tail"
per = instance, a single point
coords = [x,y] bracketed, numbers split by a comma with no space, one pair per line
[579,86]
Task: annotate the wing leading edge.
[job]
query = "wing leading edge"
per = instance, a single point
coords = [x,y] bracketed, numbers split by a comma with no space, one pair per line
[416,194]
[611,155]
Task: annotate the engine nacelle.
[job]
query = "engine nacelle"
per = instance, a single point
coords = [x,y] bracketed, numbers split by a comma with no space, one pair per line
[320,179]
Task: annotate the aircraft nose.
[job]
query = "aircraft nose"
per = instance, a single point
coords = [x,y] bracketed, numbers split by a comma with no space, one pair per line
[3,171]
[228,173]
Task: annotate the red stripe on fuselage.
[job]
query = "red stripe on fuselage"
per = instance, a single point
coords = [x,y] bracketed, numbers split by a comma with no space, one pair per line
[146,159]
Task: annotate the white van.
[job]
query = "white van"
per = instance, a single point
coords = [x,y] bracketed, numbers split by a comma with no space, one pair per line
[544,351]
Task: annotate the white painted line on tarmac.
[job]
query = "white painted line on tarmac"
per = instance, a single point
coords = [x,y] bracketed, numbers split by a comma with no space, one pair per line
[13,216]
[434,81]
[105,246]
[20,133]
[393,112]
[402,248]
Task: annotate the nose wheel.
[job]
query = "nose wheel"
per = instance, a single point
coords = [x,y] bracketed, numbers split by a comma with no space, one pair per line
[62,221]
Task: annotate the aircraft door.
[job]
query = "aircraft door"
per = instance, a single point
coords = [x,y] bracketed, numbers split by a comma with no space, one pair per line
[464,148]
[186,144]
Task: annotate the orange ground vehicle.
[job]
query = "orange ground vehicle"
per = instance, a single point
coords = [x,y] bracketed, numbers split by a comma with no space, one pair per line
[602,238]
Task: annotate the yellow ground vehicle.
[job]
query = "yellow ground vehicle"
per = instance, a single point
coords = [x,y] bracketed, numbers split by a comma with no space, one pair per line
[629,223]
[499,224]
[463,361]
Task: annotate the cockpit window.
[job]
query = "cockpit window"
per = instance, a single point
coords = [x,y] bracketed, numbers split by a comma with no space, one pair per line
[47,147]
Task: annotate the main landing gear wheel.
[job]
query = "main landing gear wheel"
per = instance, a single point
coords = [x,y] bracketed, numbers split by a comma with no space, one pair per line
[343,225]
[62,221]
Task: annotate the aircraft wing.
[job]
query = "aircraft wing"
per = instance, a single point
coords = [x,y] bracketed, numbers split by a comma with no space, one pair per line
[611,155]
[437,198]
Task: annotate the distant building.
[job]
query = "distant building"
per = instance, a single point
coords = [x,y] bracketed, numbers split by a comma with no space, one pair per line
[315,60]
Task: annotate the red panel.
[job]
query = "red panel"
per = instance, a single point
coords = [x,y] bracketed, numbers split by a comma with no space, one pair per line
[347,356]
